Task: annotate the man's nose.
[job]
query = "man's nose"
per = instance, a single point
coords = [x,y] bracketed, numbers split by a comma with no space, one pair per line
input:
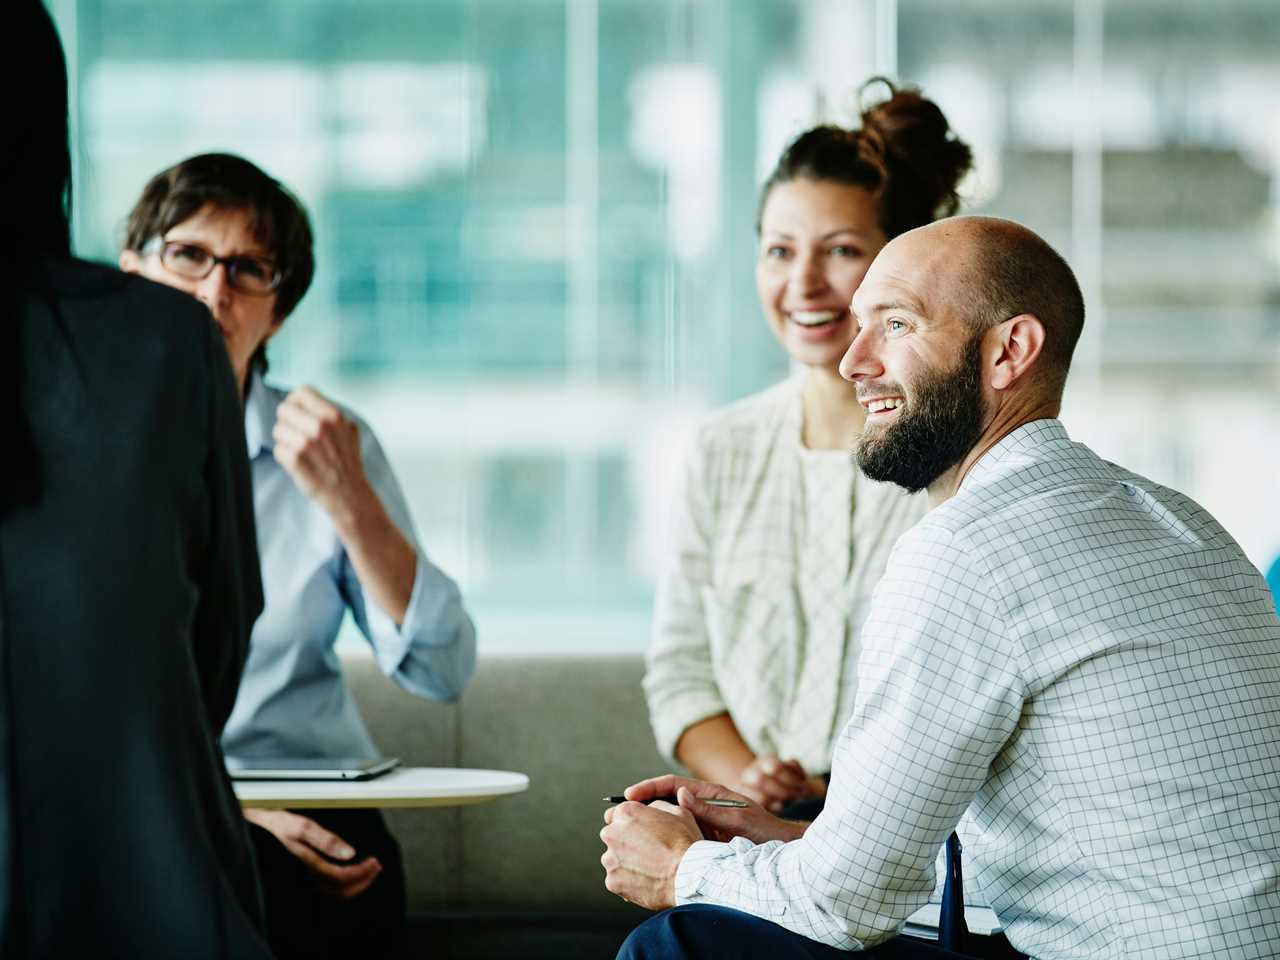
[860,361]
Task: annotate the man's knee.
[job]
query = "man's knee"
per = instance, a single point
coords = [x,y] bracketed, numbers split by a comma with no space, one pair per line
[650,939]
[673,933]
[700,930]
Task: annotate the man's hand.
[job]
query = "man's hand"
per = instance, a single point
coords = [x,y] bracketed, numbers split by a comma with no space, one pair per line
[773,783]
[320,449]
[643,848]
[318,848]
[718,823]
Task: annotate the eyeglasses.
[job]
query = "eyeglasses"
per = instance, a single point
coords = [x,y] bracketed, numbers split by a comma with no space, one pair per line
[257,276]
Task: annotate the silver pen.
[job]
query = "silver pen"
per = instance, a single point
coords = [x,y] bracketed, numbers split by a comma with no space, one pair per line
[669,799]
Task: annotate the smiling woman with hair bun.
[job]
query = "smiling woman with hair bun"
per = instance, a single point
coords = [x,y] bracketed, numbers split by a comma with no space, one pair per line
[776,540]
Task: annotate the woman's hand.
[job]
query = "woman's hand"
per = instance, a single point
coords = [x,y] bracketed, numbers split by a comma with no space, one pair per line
[774,783]
[319,448]
[318,848]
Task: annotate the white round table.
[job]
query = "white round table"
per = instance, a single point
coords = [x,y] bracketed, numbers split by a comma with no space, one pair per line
[402,787]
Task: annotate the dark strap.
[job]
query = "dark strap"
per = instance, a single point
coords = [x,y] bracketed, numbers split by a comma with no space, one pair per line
[953,934]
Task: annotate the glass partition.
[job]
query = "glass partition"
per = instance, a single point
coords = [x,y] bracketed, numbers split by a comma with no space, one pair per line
[535,232]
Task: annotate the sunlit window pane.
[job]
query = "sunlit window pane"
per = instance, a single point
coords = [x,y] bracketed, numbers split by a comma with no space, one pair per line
[535,232]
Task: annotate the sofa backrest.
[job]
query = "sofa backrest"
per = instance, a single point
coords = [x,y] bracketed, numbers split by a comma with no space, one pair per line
[577,725]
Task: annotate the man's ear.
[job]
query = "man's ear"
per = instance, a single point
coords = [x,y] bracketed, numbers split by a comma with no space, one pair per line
[130,262]
[1017,344]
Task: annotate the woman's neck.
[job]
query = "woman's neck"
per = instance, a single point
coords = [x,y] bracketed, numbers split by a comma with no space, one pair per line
[833,418]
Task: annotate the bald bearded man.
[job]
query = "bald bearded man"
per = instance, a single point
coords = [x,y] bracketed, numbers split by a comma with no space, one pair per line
[1082,658]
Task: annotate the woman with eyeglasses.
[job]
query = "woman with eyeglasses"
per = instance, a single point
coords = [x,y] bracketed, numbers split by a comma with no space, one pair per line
[777,540]
[334,535]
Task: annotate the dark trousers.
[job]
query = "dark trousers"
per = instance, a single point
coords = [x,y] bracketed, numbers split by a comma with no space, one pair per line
[711,932]
[303,920]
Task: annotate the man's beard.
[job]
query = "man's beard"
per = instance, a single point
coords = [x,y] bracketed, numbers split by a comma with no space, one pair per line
[940,425]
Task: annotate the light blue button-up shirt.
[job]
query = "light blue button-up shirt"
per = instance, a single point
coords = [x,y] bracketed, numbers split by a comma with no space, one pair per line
[292,700]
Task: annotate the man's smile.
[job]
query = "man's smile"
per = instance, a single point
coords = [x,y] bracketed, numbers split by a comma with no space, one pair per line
[881,406]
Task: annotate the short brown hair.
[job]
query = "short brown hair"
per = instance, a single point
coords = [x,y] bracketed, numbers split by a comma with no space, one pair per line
[228,182]
[1016,271]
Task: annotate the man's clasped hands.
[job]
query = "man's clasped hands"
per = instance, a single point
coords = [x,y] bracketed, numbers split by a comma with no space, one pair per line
[645,838]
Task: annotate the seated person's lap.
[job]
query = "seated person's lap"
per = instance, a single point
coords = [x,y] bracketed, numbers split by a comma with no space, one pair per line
[304,920]
[700,930]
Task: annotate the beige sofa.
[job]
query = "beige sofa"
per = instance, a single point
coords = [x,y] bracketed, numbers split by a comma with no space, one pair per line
[521,875]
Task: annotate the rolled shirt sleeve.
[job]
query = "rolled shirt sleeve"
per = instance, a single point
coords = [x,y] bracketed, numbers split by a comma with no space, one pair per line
[432,653]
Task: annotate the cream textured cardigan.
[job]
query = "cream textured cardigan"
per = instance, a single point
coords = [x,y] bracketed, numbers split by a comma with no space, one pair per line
[730,625]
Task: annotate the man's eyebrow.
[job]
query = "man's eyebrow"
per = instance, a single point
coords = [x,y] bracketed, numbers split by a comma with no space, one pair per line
[885,306]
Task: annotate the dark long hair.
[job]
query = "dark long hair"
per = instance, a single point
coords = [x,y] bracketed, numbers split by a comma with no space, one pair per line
[35,223]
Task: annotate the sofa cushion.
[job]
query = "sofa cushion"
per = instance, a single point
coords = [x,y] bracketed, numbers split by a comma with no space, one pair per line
[578,726]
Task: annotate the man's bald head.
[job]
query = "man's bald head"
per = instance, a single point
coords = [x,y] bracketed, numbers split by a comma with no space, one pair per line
[965,327]
[998,269]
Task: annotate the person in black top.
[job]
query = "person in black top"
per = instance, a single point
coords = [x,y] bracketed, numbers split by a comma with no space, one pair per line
[128,579]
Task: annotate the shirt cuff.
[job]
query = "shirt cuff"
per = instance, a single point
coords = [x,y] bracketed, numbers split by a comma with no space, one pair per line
[693,868]
[395,639]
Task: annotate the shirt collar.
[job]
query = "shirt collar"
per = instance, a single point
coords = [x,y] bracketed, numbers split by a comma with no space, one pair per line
[259,415]
[1016,445]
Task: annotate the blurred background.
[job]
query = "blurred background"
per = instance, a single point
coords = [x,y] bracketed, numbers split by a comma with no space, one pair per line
[535,234]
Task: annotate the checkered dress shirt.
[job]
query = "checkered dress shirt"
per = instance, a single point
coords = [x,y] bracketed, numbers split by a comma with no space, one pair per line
[1088,662]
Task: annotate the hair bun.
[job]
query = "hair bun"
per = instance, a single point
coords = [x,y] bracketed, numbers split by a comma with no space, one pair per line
[904,153]
[920,151]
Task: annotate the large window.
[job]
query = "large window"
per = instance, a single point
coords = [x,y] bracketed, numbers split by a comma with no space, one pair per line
[535,232]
